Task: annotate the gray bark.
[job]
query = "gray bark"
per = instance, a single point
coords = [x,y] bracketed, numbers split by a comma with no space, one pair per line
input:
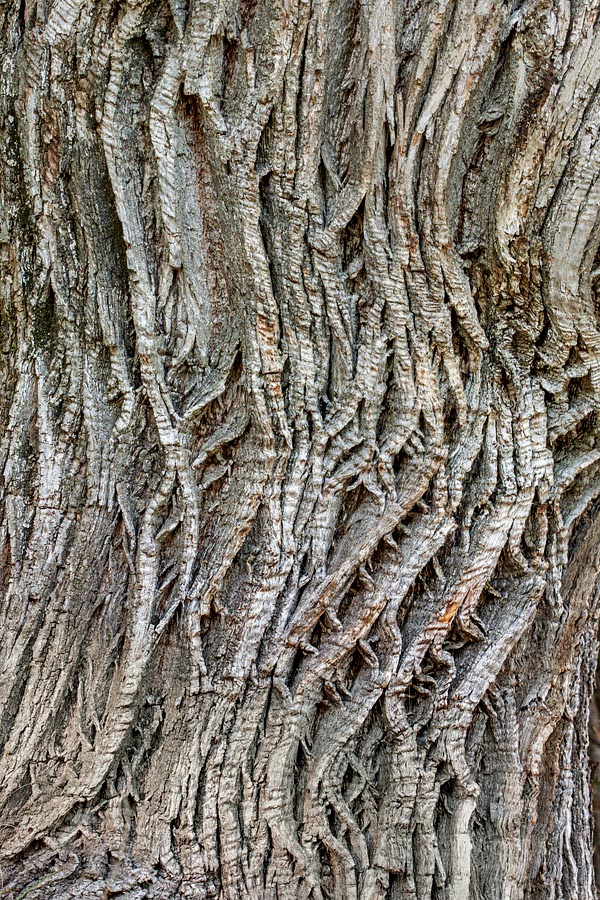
[299,523]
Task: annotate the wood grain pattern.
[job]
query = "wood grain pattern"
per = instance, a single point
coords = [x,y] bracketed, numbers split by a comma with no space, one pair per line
[300,448]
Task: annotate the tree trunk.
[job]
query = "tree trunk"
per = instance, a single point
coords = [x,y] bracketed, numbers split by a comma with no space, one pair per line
[300,404]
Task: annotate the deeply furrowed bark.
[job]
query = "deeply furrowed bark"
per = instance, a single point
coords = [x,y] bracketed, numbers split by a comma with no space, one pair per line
[299,525]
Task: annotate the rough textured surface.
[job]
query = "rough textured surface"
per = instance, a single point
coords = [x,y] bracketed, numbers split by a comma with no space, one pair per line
[300,389]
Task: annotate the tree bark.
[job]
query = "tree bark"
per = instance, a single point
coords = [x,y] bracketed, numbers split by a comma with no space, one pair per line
[299,524]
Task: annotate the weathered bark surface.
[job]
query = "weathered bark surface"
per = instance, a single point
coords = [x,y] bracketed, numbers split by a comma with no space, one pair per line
[299,533]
